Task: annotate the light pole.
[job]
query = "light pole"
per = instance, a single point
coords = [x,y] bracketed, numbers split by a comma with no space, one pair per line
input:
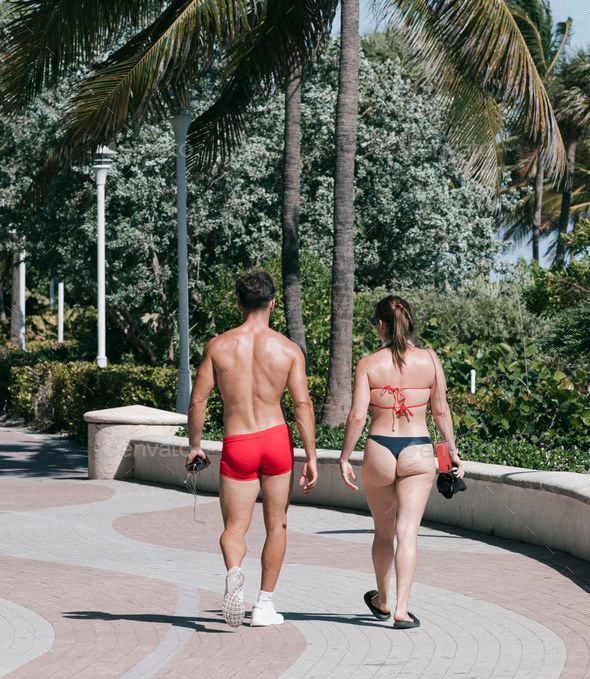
[60,311]
[180,124]
[21,301]
[102,163]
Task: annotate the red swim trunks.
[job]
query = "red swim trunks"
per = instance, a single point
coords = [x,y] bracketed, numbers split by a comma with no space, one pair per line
[245,457]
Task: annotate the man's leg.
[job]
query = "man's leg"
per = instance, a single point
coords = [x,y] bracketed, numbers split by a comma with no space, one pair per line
[237,499]
[276,491]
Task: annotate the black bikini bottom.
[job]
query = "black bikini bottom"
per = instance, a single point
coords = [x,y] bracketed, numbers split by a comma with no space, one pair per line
[395,444]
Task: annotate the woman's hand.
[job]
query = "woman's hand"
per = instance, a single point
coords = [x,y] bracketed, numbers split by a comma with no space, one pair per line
[347,473]
[458,463]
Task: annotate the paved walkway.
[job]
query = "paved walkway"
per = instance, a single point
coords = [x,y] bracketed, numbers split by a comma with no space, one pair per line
[116,579]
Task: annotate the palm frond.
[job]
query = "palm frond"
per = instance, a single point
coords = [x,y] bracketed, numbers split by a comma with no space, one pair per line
[153,72]
[474,49]
[44,40]
[561,39]
[283,38]
[532,36]
[571,94]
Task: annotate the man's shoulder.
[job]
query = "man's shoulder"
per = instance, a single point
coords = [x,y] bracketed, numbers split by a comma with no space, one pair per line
[217,341]
[288,344]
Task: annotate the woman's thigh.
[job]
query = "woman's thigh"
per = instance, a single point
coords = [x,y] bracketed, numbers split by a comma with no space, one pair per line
[379,474]
[415,474]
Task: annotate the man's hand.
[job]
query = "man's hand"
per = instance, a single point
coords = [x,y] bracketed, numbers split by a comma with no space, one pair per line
[309,476]
[195,452]
[347,473]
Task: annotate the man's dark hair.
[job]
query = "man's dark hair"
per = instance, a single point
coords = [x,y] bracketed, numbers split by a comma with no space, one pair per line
[255,290]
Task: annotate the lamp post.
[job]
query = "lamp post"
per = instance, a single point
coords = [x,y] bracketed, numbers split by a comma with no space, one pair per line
[102,163]
[180,124]
[60,311]
[21,301]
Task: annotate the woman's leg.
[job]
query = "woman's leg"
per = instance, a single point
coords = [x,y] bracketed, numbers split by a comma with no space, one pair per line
[379,469]
[416,471]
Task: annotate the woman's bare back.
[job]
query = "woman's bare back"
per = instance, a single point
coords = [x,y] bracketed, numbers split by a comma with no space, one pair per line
[407,390]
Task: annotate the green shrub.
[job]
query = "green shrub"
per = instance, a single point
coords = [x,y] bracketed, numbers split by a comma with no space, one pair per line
[58,394]
[562,455]
[518,394]
[567,339]
[36,352]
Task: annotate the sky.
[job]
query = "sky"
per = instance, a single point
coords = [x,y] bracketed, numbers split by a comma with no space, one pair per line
[578,10]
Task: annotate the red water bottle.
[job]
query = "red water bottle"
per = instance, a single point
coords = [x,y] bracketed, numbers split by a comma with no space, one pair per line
[443,456]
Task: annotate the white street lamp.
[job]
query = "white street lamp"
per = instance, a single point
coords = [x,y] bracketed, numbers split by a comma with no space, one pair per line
[60,311]
[102,163]
[180,124]
[21,301]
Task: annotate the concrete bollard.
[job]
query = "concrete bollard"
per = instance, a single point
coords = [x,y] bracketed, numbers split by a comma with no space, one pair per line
[110,431]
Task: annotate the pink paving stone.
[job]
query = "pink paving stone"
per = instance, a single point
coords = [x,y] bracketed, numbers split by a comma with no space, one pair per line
[54,590]
[511,580]
[105,638]
[223,652]
[20,495]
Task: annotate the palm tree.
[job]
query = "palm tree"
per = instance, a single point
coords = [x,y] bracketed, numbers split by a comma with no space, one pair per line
[571,97]
[338,392]
[546,46]
[479,66]
[171,45]
[290,212]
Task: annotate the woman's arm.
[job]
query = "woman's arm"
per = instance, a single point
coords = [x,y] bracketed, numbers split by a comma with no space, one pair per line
[441,411]
[355,422]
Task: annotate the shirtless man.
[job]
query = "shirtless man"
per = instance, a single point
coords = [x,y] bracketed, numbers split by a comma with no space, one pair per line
[251,366]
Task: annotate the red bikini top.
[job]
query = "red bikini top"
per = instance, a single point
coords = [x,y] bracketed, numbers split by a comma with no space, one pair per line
[399,406]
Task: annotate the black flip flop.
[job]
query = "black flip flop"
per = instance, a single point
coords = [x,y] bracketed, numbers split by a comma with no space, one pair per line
[374,610]
[407,624]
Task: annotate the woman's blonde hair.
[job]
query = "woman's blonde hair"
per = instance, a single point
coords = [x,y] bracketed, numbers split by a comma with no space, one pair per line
[398,318]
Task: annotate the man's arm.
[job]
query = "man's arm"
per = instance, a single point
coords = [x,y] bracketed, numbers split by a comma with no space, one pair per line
[202,387]
[304,418]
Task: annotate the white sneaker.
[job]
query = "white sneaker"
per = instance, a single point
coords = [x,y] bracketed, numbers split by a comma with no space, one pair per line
[233,608]
[262,616]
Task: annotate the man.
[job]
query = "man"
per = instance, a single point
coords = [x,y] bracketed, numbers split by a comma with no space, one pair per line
[251,366]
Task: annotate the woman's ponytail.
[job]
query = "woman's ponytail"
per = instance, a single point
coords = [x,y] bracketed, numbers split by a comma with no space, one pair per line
[398,318]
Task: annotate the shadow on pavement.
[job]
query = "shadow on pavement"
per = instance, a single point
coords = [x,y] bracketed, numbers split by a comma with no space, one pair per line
[190,622]
[33,456]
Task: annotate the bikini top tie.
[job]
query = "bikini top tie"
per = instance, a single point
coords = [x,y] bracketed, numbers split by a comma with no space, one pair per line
[399,406]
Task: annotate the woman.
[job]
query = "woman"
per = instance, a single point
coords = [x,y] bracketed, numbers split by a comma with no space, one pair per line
[398,381]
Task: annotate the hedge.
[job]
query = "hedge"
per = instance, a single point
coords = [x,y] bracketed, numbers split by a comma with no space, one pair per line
[56,395]
[539,420]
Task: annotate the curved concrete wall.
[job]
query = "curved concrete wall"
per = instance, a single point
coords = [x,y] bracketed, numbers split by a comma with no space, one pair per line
[546,508]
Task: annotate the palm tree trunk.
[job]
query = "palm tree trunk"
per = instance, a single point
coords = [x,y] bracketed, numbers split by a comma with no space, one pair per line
[14,305]
[566,201]
[339,389]
[290,216]
[538,207]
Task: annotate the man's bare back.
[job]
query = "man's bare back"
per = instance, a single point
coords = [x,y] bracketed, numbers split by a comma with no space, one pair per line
[252,366]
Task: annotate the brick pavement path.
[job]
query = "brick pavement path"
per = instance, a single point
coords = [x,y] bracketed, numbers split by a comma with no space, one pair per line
[115,579]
